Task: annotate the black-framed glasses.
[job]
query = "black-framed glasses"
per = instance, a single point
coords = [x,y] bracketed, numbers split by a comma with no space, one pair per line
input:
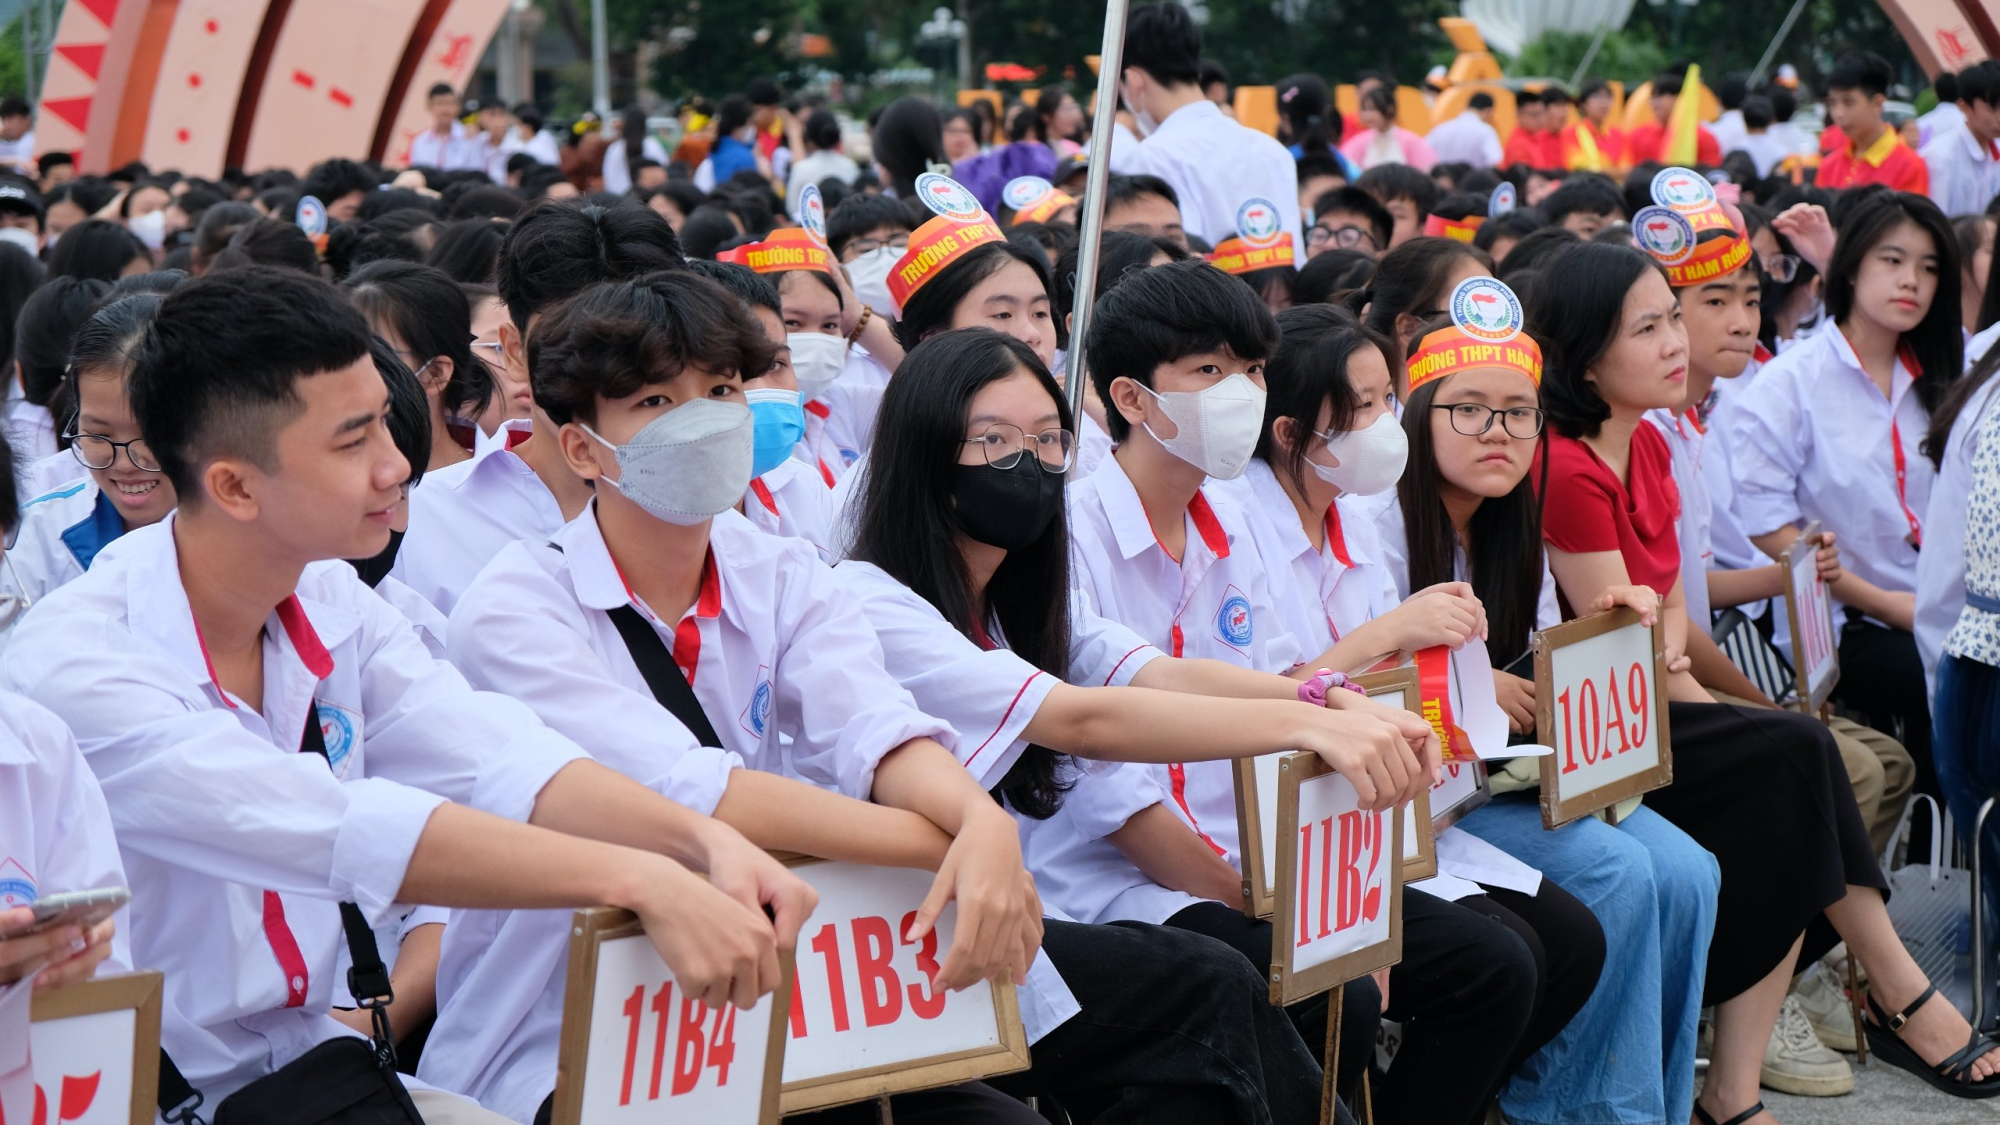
[95,451]
[1003,443]
[1780,268]
[897,242]
[1473,419]
[1347,237]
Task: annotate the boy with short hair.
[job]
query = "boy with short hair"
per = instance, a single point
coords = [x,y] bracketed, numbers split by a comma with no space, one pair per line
[1524,144]
[1647,143]
[1585,204]
[444,145]
[233,625]
[1143,204]
[1406,193]
[1872,152]
[1349,218]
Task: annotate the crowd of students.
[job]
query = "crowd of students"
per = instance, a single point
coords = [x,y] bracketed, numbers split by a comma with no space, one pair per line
[607,523]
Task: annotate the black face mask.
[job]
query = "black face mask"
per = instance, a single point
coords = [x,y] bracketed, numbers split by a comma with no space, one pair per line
[374,570]
[1007,508]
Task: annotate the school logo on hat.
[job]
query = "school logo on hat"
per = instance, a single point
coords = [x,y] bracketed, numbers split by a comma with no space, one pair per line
[336,728]
[1257,222]
[17,887]
[1232,621]
[1485,309]
[1021,191]
[812,212]
[1665,235]
[1683,190]
[949,198]
[311,216]
[1501,201]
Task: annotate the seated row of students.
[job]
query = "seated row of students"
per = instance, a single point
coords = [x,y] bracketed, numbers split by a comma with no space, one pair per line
[979,589]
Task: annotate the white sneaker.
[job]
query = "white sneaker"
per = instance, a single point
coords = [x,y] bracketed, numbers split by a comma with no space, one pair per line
[1796,1062]
[1824,1002]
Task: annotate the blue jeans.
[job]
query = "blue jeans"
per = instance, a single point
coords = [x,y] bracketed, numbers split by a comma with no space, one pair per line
[1965,743]
[1628,1056]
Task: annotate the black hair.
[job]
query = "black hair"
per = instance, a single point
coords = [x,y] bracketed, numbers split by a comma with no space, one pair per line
[1865,71]
[929,310]
[1460,205]
[1937,343]
[1390,182]
[617,336]
[1211,73]
[556,249]
[1309,370]
[10,503]
[14,106]
[89,194]
[1667,84]
[763,91]
[1381,224]
[708,229]
[1409,279]
[1331,275]
[1978,82]
[909,525]
[750,287]
[425,307]
[96,248]
[1848,201]
[1516,224]
[536,181]
[1119,253]
[154,281]
[268,242]
[469,250]
[105,343]
[379,203]
[1050,238]
[1309,117]
[217,372]
[1757,112]
[860,213]
[1946,87]
[441,90]
[1124,189]
[1586,194]
[1319,164]
[1784,103]
[1946,415]
[1575,313]
[1555,95]
[909,138]
[20,274]
[335,179]
[822,130]
[1537,247]
[1048,100]
[409,419]
[1592,88]
[43,332]
[731,115]
[632,133]
[490,201]
[1163,41]
[1157,316]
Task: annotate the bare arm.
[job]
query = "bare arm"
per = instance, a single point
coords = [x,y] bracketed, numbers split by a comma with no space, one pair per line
[1598,579]
[780,814]
[1898,609]
[1738,587]
[1713,670]
[1170,854]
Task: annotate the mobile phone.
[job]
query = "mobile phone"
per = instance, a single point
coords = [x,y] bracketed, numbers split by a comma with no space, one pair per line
[76,908]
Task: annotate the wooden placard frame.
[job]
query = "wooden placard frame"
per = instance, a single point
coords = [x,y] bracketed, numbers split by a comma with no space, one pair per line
[1558,813]
[1811,699]
[1009,1056]
[1289,986]
[1403,681]
[589,930]
[141,992]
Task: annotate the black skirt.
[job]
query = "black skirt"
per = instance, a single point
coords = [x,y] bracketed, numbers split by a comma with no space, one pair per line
[1765,791]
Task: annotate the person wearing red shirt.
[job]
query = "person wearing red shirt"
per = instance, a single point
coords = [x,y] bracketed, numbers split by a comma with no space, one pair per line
[1648,143]
[1528,143]
[1590,144]
[1873,153]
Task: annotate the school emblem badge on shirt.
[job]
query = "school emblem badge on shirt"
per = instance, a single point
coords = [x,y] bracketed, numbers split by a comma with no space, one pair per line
[17,887]
[338,727]
[757,713]
[1232,620]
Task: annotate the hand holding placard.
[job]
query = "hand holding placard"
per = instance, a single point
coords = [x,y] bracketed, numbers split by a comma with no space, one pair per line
[1809,611]
[1598,692]
[1339,908]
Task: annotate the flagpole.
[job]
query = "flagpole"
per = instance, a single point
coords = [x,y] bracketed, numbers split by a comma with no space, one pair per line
[1091,220]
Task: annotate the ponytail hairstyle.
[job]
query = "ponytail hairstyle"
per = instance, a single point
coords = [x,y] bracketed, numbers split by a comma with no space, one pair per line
[1308,114]
[909,525]
[1409,279]
[1937,343]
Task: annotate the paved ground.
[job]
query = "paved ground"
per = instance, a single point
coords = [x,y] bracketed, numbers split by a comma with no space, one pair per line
[1883,1095]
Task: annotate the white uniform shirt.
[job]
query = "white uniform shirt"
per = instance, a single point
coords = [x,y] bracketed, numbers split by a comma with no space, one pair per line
[55,836]
[1965,175]
[47,474]
[1729,130]
[30,431]
[60,535]
[461,515]
[1810,439]
[422,615]
[617,174]
[792,499]
[1466,139]
[1687,442]
[447,154]
[788,672]
[1941,564]
[239,845]
[1215,166]
[1396,557]
[1940,120]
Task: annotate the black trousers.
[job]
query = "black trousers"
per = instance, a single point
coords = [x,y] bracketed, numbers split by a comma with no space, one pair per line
[974,1103]
[1881,682]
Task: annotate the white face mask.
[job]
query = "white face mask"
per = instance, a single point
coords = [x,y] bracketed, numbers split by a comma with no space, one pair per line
[689,464]
[1147,126]
[817,359]
[25,239]
[869,274]
[151,228]
[1371,458]
[1216,430]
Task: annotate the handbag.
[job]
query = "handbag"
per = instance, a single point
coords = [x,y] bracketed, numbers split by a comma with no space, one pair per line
[1931,907]
[343,1081]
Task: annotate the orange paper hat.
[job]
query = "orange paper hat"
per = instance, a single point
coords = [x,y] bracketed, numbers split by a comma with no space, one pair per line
[1461,230]
[1033,199]
[792,248]
[1485,331]
[1261,241]
[962,226]
[1671,232]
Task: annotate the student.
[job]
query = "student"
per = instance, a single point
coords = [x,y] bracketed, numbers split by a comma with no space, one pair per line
[821,159]
[409,422]
[1743,777]
[867,233]
[425,317]
[1647,143]
[1870,151]
[1211,162]
[786,496]
[122,488]
[1830,430]
[1953,446]
[1590,143]
[1526,144]
[643,376]
[1964,173]
[510,398]
[1468,138]
[517,487]
[1381,141]
[1310,127]
[255,391]
[1406,193]
[1410,286]
[1143,204]
[1584,205]
[1348,218]
[1328,439]
[444,146]
[1267,268]
[635,143]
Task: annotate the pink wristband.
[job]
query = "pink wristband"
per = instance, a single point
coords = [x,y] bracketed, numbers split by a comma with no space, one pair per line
[1314,691]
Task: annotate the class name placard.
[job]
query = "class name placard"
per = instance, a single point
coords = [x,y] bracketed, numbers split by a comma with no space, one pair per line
[1600,702]
[1340,902]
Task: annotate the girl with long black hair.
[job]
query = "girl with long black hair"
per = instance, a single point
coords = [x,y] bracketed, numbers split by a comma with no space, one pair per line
[426,318]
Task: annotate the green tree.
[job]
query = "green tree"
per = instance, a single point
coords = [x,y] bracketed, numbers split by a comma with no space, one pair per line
[1630,56]
[13,71]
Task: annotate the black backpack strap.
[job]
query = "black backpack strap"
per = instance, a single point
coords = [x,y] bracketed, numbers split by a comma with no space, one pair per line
[662,675]
[178,1099]
[368,978]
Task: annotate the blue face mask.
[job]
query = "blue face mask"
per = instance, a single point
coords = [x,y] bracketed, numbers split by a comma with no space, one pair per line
[779,421]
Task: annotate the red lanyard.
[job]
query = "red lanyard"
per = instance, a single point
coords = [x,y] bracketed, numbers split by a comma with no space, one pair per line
[1902,498]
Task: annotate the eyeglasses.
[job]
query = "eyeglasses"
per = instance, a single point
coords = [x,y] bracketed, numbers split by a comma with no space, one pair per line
[1780,268]
[1348,237]
[897,242]
[498,356]
[96,451]
[1473,419]
[1003,444]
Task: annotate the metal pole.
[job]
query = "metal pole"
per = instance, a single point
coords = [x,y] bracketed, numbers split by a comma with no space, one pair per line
[1771,51]
[1979,953]
[28,50]
[600,61]
[1590,56]
[1109,67]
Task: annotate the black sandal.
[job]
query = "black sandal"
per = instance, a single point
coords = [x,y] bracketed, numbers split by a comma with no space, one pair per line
[1739,1119]
[1949,1076]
